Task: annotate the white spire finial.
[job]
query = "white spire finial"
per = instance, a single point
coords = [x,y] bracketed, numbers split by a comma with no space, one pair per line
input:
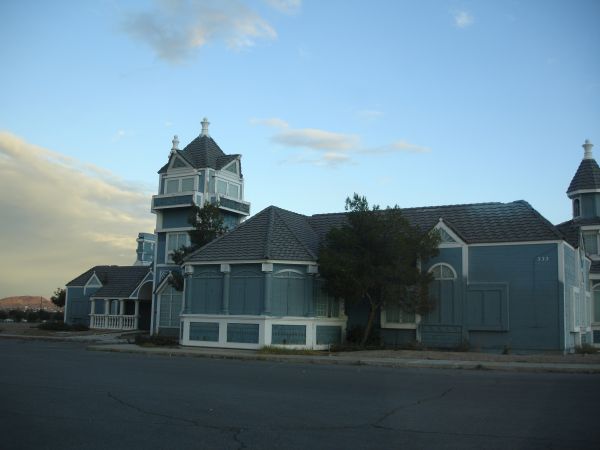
[587,148]
[205,123]
[175,143]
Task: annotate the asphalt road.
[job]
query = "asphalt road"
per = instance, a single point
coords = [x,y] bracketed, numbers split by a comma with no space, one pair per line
[57,395]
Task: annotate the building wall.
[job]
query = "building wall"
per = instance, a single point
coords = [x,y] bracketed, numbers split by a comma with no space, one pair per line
[175,218]
[225,306]
[78,305]
[576,327]
[525,281]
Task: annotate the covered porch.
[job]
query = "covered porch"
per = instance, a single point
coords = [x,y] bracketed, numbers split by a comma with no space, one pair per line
[126,314]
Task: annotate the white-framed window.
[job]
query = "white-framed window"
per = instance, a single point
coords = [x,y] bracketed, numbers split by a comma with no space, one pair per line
[174,242]
[228,188]
[590,241]
[394,315]
[174,185]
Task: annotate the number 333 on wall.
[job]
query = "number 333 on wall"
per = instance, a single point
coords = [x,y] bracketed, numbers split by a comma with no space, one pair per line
[542,259]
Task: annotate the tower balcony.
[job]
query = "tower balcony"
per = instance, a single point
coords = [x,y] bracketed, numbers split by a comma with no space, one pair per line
[232,204]
[176,200]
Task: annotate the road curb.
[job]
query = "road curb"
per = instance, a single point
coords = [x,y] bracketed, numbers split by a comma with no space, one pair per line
[337,360]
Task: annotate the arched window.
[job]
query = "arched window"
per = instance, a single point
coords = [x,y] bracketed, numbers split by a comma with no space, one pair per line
[441,292]
[443,272]
[576,208]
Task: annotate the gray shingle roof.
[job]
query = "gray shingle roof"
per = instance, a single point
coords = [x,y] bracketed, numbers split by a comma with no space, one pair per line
[570,229]
[117,281]
[203,152]
[586,177]
[273,233]
[277,234]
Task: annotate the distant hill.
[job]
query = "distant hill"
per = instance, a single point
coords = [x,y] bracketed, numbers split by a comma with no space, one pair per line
[28,302]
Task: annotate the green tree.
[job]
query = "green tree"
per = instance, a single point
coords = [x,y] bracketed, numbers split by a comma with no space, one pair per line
[375,258]
[208,225]
[59,296]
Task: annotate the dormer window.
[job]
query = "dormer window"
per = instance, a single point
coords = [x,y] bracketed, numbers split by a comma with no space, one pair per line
[576,208]
[174,185]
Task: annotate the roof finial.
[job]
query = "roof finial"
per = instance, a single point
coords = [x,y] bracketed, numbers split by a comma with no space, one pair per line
[205,123]
[175,143]
[587,147]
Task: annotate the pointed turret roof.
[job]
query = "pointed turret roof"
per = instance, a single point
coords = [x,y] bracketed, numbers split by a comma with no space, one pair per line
[587,176]
[202,152]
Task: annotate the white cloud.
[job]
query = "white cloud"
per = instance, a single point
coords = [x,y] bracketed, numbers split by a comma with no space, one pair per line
[272,122]
[61,216]
[176,28]
[316,139]
[285,6]
[463,19]
[329,148]
[404,146]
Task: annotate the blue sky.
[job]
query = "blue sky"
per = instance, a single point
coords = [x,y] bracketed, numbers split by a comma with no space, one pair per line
[412,103]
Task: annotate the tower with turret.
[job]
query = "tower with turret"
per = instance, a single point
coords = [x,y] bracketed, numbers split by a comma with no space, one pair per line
[200,172]
[583,230]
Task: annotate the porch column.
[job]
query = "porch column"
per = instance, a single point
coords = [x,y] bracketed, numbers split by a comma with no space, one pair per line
[187,289]
[226,271]
[137,313]
[121,312]
[92,313]
[268,271]
[309,294]
[106,307]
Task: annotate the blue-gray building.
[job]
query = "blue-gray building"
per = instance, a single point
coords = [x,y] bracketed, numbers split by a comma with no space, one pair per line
[505,277]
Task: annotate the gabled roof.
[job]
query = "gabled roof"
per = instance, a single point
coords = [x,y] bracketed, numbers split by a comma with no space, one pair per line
[203,152]
[277,234]
[586,177]
[117,281]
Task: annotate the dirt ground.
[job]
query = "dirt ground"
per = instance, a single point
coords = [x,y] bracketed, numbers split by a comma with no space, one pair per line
[30,329]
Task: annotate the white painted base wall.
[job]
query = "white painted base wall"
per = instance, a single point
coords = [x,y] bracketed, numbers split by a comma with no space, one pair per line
[264,331]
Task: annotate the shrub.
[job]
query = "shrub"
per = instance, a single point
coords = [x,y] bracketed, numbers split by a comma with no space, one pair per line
[145,340]
[61,326]
[16,314]
[586,349]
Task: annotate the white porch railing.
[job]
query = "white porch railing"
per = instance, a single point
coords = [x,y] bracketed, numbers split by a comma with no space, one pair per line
[113,322]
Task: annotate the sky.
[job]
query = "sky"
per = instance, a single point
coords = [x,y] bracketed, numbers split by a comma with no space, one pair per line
[410,103]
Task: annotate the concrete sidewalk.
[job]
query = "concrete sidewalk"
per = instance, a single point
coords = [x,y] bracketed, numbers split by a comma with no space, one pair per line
[367,358]
[117,342]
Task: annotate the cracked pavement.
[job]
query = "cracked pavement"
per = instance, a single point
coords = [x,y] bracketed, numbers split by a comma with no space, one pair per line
[57,395]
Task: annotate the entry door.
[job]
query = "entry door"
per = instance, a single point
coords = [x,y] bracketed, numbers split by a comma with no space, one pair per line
[441,293]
